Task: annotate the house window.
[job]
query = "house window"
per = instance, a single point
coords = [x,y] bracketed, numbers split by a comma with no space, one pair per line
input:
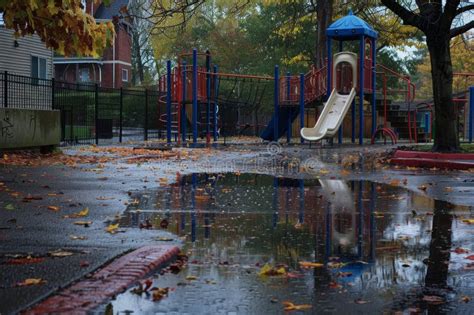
[124,75]
[38,68]
[84,75]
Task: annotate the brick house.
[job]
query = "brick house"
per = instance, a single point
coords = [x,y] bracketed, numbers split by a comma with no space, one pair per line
[113,69]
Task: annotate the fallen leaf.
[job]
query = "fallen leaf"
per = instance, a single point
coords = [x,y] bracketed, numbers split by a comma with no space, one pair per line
[471,257]
[83,213]
[423,187]
[459,250]
[394,182]
[448,189]
[468,221]
[289,306]
[308,264]
[53,208]
[9,207]
[112,228]
[60,253]
[361,301]
[465,298]
[159,293]
[31,281]
[24,261]
[433,299]
[74,237]
[268,270]
[190,278]
[84,223]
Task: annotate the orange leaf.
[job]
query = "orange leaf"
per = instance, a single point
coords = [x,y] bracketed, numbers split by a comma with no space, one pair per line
[53,208]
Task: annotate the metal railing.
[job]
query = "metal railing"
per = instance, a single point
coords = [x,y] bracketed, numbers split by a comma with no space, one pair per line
[88,112]
[18,91]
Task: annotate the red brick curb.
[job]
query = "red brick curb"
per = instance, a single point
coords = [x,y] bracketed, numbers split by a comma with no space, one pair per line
[430,163]
[433,155]
[87,294]
[453,161]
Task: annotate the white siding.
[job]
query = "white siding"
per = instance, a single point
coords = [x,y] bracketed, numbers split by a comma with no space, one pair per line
[17,60]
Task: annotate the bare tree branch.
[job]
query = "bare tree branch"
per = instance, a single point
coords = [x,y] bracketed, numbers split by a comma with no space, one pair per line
[408,17]
[461,29]
[465,9]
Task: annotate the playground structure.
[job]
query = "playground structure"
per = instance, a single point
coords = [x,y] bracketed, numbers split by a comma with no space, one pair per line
[197,97]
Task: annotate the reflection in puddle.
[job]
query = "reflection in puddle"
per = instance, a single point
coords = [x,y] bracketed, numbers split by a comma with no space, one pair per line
[384,249]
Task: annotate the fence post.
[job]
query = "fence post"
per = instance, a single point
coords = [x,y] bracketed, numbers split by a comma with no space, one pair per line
[5,88]
[146,114]
[96,103]
[216,94]
[302,103]
[195,96]
[276,97]
[121,115]
[208,96]
[52,93]
[184,119]
[290,109]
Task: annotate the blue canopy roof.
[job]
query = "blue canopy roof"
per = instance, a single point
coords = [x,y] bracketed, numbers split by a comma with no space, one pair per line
[350,27]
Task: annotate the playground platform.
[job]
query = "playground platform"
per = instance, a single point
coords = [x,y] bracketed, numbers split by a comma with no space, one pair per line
[454,161]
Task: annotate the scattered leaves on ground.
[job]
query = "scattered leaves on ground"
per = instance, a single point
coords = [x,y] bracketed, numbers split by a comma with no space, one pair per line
[433,299]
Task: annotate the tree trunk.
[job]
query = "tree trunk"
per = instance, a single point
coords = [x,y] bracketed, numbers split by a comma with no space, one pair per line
[446,137]
[324,12]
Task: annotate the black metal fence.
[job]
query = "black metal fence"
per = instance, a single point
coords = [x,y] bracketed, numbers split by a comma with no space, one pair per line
[89,113]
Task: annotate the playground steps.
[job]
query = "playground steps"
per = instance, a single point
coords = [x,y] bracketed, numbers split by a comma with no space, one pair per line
[397,118]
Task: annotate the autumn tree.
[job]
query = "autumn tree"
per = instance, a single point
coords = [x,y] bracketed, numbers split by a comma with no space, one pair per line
[439,23]
[61,24]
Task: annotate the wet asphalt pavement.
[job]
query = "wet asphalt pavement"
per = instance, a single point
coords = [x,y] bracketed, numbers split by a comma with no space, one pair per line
[31,229]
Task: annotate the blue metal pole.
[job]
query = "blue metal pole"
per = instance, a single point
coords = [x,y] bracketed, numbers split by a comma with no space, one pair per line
[288,92]
[302,103]
[361,90]
[184,119]
[471,113]
[216,106]
[353,119]
[329,68]
[276,103]
[168,101]
[374,109]
[339,134]
[195,97]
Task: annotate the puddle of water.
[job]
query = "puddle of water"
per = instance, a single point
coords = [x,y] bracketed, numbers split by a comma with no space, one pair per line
[384,249]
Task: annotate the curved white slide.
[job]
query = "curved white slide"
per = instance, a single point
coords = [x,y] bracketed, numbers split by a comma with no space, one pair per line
[331,118]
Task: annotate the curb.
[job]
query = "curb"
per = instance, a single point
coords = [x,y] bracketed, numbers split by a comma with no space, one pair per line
[89,293]
[433,155]
[430,163]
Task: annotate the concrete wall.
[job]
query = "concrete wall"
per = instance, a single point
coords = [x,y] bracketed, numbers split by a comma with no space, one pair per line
[25,128]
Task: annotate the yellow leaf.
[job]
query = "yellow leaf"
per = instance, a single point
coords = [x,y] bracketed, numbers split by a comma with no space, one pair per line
[112,228]
[468,221]
[85,223]
[191,278]
[31,281]
[289,306]
[83,213]
[268,270]
[308,264]
[53,208]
